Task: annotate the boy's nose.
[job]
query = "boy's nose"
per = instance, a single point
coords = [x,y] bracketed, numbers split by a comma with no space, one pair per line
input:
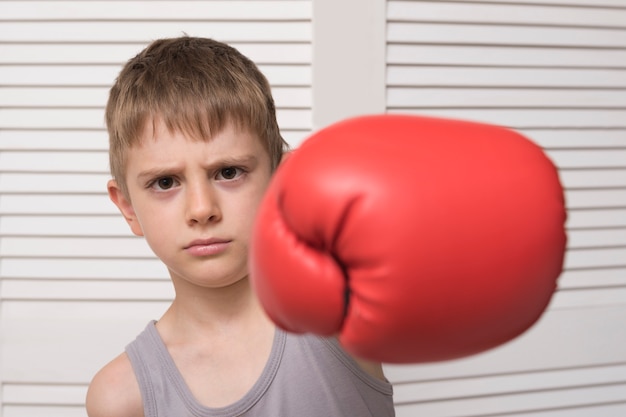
[202,205]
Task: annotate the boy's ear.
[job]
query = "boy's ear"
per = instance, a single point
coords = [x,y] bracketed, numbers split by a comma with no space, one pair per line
[124,205]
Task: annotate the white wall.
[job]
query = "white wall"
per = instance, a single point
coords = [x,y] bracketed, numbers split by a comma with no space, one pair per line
[75,286]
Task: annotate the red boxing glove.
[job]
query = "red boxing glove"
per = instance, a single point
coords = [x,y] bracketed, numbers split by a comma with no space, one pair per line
[414,239]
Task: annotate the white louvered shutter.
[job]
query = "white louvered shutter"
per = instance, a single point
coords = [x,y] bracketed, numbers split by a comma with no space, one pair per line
[556,72]
[75,285]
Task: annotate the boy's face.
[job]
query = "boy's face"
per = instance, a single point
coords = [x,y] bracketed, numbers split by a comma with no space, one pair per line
[195,201]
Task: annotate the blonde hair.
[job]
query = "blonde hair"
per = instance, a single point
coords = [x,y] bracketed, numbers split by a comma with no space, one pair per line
[195,86]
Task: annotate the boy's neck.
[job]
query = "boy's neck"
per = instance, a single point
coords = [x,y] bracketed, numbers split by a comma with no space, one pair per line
[212,312]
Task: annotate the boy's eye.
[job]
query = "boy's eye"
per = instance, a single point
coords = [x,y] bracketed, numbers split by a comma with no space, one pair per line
[229,173]
[164,183]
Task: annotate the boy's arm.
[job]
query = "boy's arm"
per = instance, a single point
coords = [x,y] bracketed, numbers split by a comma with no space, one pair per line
[114,391]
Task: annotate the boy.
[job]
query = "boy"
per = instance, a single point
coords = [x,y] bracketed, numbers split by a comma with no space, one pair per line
[193,143]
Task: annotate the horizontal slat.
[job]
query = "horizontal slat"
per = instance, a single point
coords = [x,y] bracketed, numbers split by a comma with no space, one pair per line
[74,118]
[544,13]
[589,298]
[35,161]
[79,182]
[58,312]
[596,258]
[53,96]
[502,55]
[79,269]
[577,139]
[584,3]
[518,403]
[71,226]
[32,289]
[65,75]
[97,204]
[104,75]
[593,178]
[93,118]
[284,97]
[605,410]
[41,410]
[592,278]
[121,31]
[597,238]
[505,97]
[526,118]
[83,247]
[586,199]
[54,140]
[87,140]
[287,75]
[441,76]
[503,34]
[596,218]
[589,158]
[117,54]
[155,10]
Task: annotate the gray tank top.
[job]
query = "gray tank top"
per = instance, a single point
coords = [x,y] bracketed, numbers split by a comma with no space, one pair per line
[305,376]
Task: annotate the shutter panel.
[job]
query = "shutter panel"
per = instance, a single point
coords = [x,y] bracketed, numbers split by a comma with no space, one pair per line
[75,285]
[556,72]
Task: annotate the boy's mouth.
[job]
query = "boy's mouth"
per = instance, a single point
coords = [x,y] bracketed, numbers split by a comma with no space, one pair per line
[207,247]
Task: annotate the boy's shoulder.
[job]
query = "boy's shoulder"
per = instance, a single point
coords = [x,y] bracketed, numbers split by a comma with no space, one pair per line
[114,391]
